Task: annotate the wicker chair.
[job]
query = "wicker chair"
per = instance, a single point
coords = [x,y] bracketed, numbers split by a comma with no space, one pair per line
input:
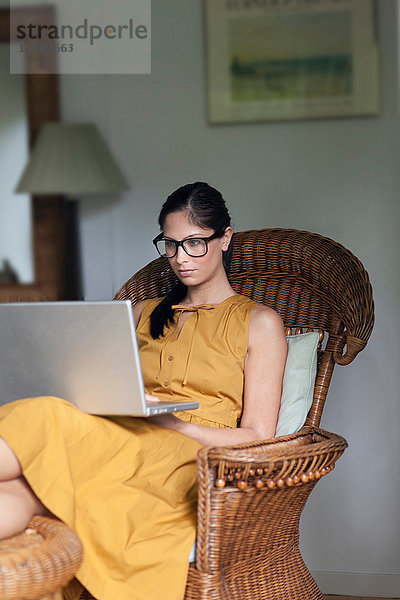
[251,496]
[39,562]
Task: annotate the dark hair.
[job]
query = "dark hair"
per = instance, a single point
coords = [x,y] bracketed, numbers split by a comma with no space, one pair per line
[206,208]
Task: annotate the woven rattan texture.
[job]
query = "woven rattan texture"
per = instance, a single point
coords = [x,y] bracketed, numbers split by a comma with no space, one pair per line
[312,281]
[251,497]
[39,562]
[250,502]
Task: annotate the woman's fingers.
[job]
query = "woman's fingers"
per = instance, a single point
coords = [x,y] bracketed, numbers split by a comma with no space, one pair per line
[150,398]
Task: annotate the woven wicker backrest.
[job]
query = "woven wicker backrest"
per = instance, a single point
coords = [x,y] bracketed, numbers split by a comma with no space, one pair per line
[312,281]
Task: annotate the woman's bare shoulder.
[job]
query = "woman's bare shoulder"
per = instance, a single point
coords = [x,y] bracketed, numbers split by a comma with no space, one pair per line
[262,314]
[265,321]
[137,310]
[138,307]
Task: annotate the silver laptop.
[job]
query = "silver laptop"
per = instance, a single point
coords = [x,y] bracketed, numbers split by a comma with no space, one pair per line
[84,352]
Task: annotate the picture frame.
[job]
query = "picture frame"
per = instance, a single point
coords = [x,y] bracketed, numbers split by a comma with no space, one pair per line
[278,60]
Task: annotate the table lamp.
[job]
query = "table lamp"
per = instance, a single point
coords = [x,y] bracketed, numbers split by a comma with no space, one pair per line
[71,159]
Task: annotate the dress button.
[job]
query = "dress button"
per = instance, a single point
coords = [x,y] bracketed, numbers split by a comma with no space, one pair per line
[170,358]
[165,383]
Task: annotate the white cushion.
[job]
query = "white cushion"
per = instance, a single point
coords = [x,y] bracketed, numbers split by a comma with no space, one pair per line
[298,382]
[192,555]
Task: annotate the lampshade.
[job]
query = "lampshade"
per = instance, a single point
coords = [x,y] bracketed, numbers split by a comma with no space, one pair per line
[71,159]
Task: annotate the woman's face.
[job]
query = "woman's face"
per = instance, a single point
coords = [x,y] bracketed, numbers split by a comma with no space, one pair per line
[195,270]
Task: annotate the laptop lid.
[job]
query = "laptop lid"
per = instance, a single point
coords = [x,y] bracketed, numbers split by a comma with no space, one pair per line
[84,352]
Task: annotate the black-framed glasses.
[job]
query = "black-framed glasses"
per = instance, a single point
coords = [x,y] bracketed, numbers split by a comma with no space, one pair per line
[193,246]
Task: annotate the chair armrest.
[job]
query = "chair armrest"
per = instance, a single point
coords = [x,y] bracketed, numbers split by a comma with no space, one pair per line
[258,490]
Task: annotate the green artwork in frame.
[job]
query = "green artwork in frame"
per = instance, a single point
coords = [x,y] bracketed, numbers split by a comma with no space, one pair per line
[290,59]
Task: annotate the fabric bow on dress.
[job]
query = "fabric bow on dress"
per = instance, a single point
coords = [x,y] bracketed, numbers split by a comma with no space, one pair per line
[180,308]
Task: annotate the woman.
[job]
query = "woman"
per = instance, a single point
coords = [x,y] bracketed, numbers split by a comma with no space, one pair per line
[128,485]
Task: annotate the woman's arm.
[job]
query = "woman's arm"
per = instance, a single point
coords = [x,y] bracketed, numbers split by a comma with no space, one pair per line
[263,374]
[137,311]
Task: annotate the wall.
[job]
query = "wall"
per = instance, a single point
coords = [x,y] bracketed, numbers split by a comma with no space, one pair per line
[338,177]
[15,210]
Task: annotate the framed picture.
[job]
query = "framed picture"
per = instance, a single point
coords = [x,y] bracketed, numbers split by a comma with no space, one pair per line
[273,60]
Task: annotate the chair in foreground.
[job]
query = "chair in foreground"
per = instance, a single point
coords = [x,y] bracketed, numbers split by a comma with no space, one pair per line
[37,564]
[251,496]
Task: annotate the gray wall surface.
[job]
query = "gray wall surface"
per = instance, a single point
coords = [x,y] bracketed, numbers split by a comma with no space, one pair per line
[15,210]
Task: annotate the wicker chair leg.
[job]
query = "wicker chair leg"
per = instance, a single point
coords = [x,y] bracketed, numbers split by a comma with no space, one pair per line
[250,504]
[291,580]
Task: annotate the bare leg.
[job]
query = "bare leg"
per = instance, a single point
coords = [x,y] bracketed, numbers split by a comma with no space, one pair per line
[18,504]
[9,465]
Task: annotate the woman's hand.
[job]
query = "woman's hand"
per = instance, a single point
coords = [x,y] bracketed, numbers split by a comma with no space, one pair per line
[150,398]
[168,420]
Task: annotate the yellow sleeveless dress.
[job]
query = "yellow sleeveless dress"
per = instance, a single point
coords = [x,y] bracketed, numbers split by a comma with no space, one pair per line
[125,485]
